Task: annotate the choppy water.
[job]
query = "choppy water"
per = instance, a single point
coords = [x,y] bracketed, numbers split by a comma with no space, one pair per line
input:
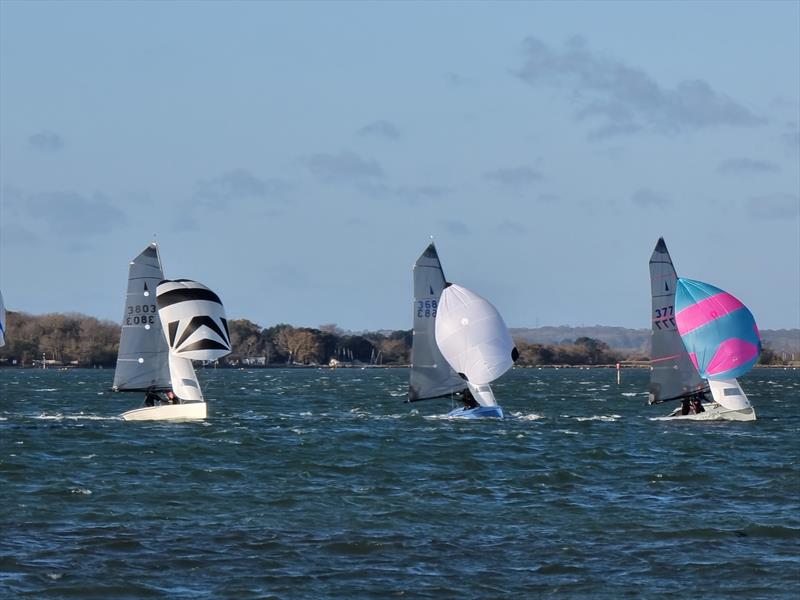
[323,484]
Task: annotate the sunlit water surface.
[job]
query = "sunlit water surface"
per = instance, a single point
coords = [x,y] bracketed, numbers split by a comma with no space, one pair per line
[324,484]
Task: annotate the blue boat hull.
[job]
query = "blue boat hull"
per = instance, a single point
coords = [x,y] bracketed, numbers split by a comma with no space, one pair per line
[481,412]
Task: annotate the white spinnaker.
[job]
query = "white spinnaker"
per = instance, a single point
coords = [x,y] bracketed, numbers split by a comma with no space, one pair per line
[2,321]
[728,393]
[193,320]
[184,379]
[472,336]
[194,324]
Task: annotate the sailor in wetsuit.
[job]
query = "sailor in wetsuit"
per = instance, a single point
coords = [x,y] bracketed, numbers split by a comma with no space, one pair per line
[151,398]
[469,400]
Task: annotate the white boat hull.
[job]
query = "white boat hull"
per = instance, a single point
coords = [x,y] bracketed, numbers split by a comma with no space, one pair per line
[713,412]
[189,411]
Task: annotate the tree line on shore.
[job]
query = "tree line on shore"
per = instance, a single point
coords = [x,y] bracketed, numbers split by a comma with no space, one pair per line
[79,340]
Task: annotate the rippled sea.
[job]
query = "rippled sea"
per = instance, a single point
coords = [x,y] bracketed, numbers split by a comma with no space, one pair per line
[323,484]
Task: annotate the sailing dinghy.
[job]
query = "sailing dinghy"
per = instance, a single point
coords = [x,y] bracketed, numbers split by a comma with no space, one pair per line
[166,325]
[460,343]
[674,374]
[723,342]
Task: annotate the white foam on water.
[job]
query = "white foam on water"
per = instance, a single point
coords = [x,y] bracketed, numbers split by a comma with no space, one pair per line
[78,417]
[630,394]
[46,390]
[79,490]
[606,418]
[527,417]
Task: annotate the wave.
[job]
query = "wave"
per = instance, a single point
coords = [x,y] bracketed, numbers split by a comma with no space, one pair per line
[606,418]
[78,417]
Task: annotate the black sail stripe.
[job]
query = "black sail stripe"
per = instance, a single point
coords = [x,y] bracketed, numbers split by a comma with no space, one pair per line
[171,297]
[173,329]
[204,344]
[227,331]
[195,324]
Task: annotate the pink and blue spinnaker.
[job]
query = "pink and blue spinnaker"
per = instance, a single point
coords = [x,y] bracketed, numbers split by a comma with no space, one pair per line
[719,332]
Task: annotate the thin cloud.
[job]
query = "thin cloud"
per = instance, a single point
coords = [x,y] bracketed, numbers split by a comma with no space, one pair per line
[455,80]
[746,166]
[70,214]
[774,206]
[345,166]
[47,141]
[381,129]
[647,198]
[16,235]
[407,193]
[511,227]
[791,140]
[239,184]
[454,227]
[621,99]
[515,176]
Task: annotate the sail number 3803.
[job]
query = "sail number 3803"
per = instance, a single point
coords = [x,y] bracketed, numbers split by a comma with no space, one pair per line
[426,308]
[141,314]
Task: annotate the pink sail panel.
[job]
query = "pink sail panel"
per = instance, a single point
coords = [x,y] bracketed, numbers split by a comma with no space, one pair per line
[705,311]
[730,354]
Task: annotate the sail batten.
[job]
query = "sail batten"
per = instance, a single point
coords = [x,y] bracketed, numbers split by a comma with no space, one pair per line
[672,374]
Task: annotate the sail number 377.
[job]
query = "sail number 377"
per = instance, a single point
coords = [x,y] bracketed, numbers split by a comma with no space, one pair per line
[664,317]
[141,314]
[426,308]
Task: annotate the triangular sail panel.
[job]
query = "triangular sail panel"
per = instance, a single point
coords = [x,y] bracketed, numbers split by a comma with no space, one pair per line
[718,331]
[431,375]
[672,374]
[472,336]
[184,379]
[142,357]
[193,320]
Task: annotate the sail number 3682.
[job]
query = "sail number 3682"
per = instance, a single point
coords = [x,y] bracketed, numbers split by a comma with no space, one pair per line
[141,314]
[426,308]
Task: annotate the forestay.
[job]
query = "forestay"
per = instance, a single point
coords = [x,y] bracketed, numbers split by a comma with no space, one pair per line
[672,374]
[472,336]
[431,375]
[142,357]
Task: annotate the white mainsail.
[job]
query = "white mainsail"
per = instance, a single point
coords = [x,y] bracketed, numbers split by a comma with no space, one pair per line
[473,338]
[430,375]
[142,356]
[195,327]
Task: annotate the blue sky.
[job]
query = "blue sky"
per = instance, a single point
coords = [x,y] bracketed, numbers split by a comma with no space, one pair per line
[296,157]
